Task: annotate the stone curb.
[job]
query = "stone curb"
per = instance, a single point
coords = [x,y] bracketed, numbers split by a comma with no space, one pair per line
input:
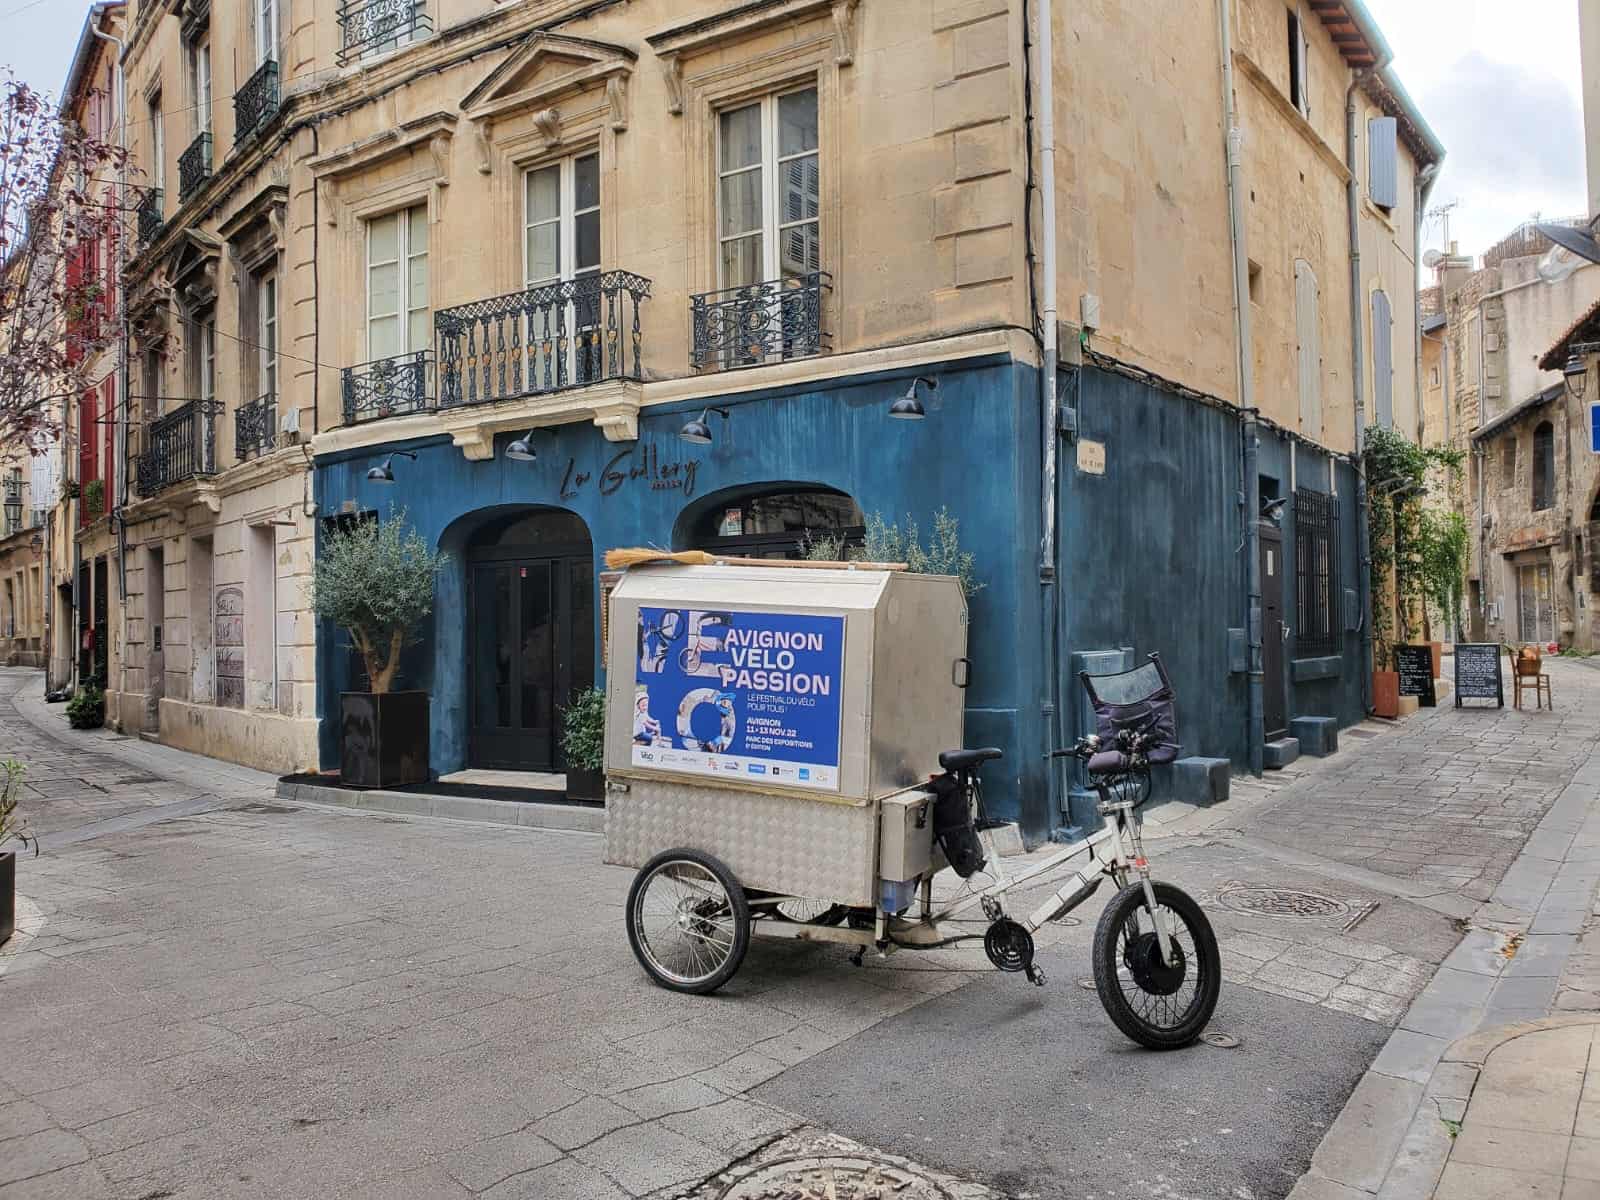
[523,814]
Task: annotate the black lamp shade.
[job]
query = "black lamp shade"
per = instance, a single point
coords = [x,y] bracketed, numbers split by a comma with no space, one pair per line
[696,431]
[522,450]
[381,474]
[908,407]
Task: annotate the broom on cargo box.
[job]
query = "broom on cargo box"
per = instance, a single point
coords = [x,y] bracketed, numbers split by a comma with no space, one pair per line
[639,555]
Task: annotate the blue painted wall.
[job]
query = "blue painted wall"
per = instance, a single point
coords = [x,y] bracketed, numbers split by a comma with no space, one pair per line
[1153,551]
[975,454]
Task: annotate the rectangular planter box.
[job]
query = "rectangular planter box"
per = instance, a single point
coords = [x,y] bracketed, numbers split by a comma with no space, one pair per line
[383,739]
[8,895]
[585,785]
[1386,694]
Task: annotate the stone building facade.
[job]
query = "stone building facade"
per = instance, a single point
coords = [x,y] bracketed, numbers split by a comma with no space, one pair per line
[381,229]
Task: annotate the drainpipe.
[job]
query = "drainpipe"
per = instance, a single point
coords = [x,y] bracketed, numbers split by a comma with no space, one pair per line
[1423,189]
[1358,383]
[1050,404]
[119,416]
[1250,489]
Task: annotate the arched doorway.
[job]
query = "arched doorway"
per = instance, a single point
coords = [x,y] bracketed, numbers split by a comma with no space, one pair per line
[778,521]
[530,636]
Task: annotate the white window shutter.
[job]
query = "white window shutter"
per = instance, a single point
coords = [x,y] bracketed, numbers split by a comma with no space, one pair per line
[1383,167]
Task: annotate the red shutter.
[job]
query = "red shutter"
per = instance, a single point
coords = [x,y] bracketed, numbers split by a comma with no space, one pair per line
[86,450]
[108,464]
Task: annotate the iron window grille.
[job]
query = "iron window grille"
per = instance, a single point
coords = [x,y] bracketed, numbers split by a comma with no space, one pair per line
[570,333]
[255,427]
[256,103]
[1316,559]
[761,322]
[180,446]
[387,387]
[194,166]
[150,216]
[375,26]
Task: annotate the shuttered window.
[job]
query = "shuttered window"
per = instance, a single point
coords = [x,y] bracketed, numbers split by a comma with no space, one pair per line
[1544,466]
[1309,348]
[1382,361]
[1383,163]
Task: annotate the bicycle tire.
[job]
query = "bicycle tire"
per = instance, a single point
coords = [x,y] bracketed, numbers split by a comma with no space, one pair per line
[1201,959]
[723,962]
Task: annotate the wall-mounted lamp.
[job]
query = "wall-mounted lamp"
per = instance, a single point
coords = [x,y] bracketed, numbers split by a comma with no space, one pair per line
[1576,371]
[908,407]
[522,449]
[696,431]
[1272,510]
[385,473]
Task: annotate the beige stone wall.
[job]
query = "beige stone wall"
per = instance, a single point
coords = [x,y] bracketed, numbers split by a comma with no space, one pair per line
[1389,264]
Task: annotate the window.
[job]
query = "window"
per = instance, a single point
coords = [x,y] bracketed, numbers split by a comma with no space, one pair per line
[561,243]
[1382,360]
[1508,462]
[1544,467]
[1316,565]
[266,31]
[267,334]
[1298,61]
[769,190]
[203,358]
[158,145]
[781,524]
[1383,162]
[397,283]
[200,84]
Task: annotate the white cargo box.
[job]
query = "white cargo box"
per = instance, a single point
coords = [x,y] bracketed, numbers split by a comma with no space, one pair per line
[744,718]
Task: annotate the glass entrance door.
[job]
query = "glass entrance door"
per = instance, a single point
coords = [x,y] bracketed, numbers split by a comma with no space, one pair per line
[531,650]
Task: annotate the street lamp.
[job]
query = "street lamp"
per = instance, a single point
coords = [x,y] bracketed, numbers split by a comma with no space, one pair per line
[908,407]
[385,473]
[522,449]
[1576,371]
[696,431]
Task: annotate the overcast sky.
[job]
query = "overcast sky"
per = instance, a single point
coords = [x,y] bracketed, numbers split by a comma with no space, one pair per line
[1497,79]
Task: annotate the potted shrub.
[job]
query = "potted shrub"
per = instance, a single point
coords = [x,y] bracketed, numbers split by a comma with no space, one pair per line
[583,738]
[11,830]
[87,709]
[376,580]
[1385,691]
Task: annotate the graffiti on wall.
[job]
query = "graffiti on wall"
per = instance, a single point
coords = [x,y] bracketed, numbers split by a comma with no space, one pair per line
[230,647]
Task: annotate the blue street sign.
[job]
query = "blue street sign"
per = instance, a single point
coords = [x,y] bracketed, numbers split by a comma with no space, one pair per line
[1594,426]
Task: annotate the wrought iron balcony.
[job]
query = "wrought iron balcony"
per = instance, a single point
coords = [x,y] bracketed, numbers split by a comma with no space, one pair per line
[761,322]
[374,26]
[256,102]
[542,339]
[194,166]
[180,446]
[255,427]
[151,218]
[388,387]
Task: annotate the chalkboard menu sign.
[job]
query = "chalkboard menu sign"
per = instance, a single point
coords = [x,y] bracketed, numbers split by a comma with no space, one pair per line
[1478,674]
[1415,667]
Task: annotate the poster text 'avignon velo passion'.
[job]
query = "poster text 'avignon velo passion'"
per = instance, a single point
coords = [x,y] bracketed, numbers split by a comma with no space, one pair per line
[747,695]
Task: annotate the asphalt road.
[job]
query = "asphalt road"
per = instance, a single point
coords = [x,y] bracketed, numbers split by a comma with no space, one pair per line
[1034,1092]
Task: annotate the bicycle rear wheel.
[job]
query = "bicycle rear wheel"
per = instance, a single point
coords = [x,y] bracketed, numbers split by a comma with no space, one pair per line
[1161,1005]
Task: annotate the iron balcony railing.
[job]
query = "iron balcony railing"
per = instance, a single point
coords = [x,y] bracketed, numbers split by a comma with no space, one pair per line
[388,387]
[194,166]
[374,26]
[255,427]
[557,335]
[760,322]
[150,216]
[256,102]
[181,445]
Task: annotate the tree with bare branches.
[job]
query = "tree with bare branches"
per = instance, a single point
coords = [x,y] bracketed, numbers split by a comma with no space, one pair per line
[61,220]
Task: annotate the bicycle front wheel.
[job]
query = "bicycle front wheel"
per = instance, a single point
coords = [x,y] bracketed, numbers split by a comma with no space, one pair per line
[1159,1004]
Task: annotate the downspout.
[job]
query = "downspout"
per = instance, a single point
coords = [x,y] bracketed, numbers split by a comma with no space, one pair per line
[1358,387]
[1250,485]
[120,414]
[1423,189]
[1050,402]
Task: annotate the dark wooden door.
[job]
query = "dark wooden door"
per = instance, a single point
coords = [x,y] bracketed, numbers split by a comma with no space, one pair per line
[530,649]
[1274,702]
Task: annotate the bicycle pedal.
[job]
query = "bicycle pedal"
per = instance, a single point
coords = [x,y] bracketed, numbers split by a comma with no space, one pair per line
[1036,976]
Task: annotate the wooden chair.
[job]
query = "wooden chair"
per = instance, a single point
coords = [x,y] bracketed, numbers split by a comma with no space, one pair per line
[1527,671]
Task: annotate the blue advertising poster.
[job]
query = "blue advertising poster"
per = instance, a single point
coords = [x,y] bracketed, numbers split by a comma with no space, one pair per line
[753,696]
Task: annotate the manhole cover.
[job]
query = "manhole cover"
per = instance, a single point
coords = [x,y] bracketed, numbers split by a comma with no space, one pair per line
[1282,902]
[1222,1041]
[834,1177]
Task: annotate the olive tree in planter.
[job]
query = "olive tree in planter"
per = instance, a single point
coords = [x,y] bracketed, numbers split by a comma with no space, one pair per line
[11,830]
[583,737]
[376,580]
